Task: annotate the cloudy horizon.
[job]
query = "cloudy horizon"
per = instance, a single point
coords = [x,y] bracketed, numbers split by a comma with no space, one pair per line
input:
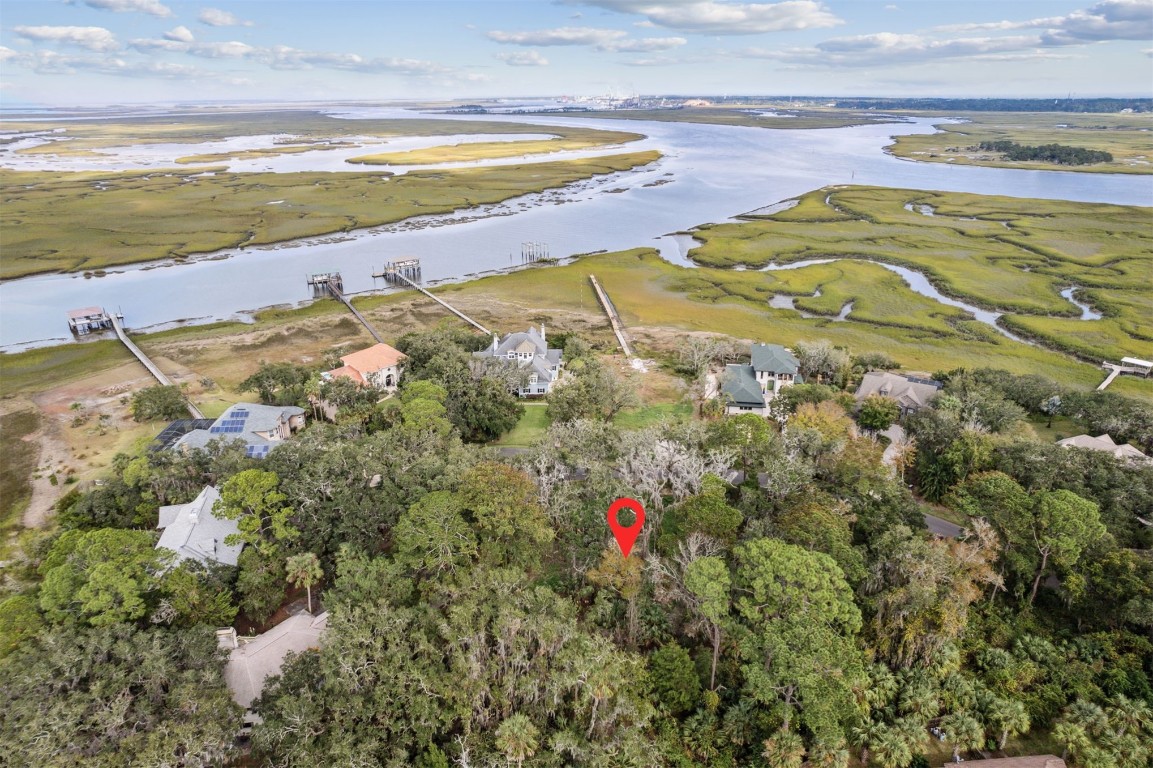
[81,52]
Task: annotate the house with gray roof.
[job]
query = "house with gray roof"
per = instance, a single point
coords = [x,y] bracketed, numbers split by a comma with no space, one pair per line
[749,388]
[253,660]
[261,427]
[193,532]
[1105,444]
[528,350]
[910,392]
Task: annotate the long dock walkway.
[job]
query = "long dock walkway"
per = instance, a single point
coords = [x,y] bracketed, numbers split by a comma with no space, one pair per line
[151,366]
[336,292]
[614,318]
[1114,372]
[446,305]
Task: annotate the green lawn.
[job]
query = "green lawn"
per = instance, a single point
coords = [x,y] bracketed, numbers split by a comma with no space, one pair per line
[647,415]
[529,429]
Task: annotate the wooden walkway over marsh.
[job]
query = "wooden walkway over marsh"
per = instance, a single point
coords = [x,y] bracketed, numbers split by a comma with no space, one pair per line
[147,363]
[614,317]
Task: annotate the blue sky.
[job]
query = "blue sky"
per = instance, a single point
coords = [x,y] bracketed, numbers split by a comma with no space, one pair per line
[128,51]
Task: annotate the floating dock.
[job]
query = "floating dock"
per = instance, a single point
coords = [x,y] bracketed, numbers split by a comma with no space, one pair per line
[151,366]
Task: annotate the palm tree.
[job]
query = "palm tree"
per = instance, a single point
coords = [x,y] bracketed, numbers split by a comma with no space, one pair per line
[1011,717]
[1129,714]
[784,749]
[963,731]
[303,571]
[829,755]
[1071,737]
[518,738]
[891,749]
[865,736]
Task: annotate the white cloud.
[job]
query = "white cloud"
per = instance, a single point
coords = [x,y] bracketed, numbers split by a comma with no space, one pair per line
[613,40]
[523,59]
[712,17]
[53,63]
[284,57]
[887,48]
[151,7]
[1108,20]
[892,8]
[643,45]
[180,35]
[7,53]
[214,17]
[220,50]
[92,38]
[559,36]
[1148,52]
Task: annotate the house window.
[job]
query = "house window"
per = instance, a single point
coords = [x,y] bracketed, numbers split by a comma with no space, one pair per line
[540,390]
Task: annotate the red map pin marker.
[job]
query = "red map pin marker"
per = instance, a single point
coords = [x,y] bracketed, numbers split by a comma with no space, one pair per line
[626,535]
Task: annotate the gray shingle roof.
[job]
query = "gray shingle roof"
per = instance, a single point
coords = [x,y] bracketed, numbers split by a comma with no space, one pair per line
[774,358]
[910,393]
[193,532]
[741,387]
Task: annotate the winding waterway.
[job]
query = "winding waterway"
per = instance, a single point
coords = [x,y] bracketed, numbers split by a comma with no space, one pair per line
[708,174]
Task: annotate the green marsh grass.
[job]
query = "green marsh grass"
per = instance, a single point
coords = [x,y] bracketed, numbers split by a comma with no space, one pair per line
[1128,137]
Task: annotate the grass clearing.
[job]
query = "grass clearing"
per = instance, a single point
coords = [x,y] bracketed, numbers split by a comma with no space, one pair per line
[59,221]
[1128,137]
[649,415]
[17,463]
[531,427]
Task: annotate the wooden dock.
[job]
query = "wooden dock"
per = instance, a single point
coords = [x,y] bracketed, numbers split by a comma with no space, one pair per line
[614,317]
[151,366]
[1116,370]
[399,277]
[337,294]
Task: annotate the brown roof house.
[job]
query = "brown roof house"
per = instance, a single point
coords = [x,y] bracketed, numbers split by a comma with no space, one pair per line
[911,393]
[1105,444]
[378,367]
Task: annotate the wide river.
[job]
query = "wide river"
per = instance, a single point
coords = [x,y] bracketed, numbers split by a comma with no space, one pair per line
[708,174]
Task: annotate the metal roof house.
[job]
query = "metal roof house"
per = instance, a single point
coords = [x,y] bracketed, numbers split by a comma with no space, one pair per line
[193,532]
[528,350]
[749,388]
[261,427]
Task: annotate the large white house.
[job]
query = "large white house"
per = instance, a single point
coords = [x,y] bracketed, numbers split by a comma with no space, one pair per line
[528,350]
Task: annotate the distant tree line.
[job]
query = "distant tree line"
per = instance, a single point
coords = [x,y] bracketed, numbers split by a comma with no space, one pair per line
[1048,153]
[1003,105]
